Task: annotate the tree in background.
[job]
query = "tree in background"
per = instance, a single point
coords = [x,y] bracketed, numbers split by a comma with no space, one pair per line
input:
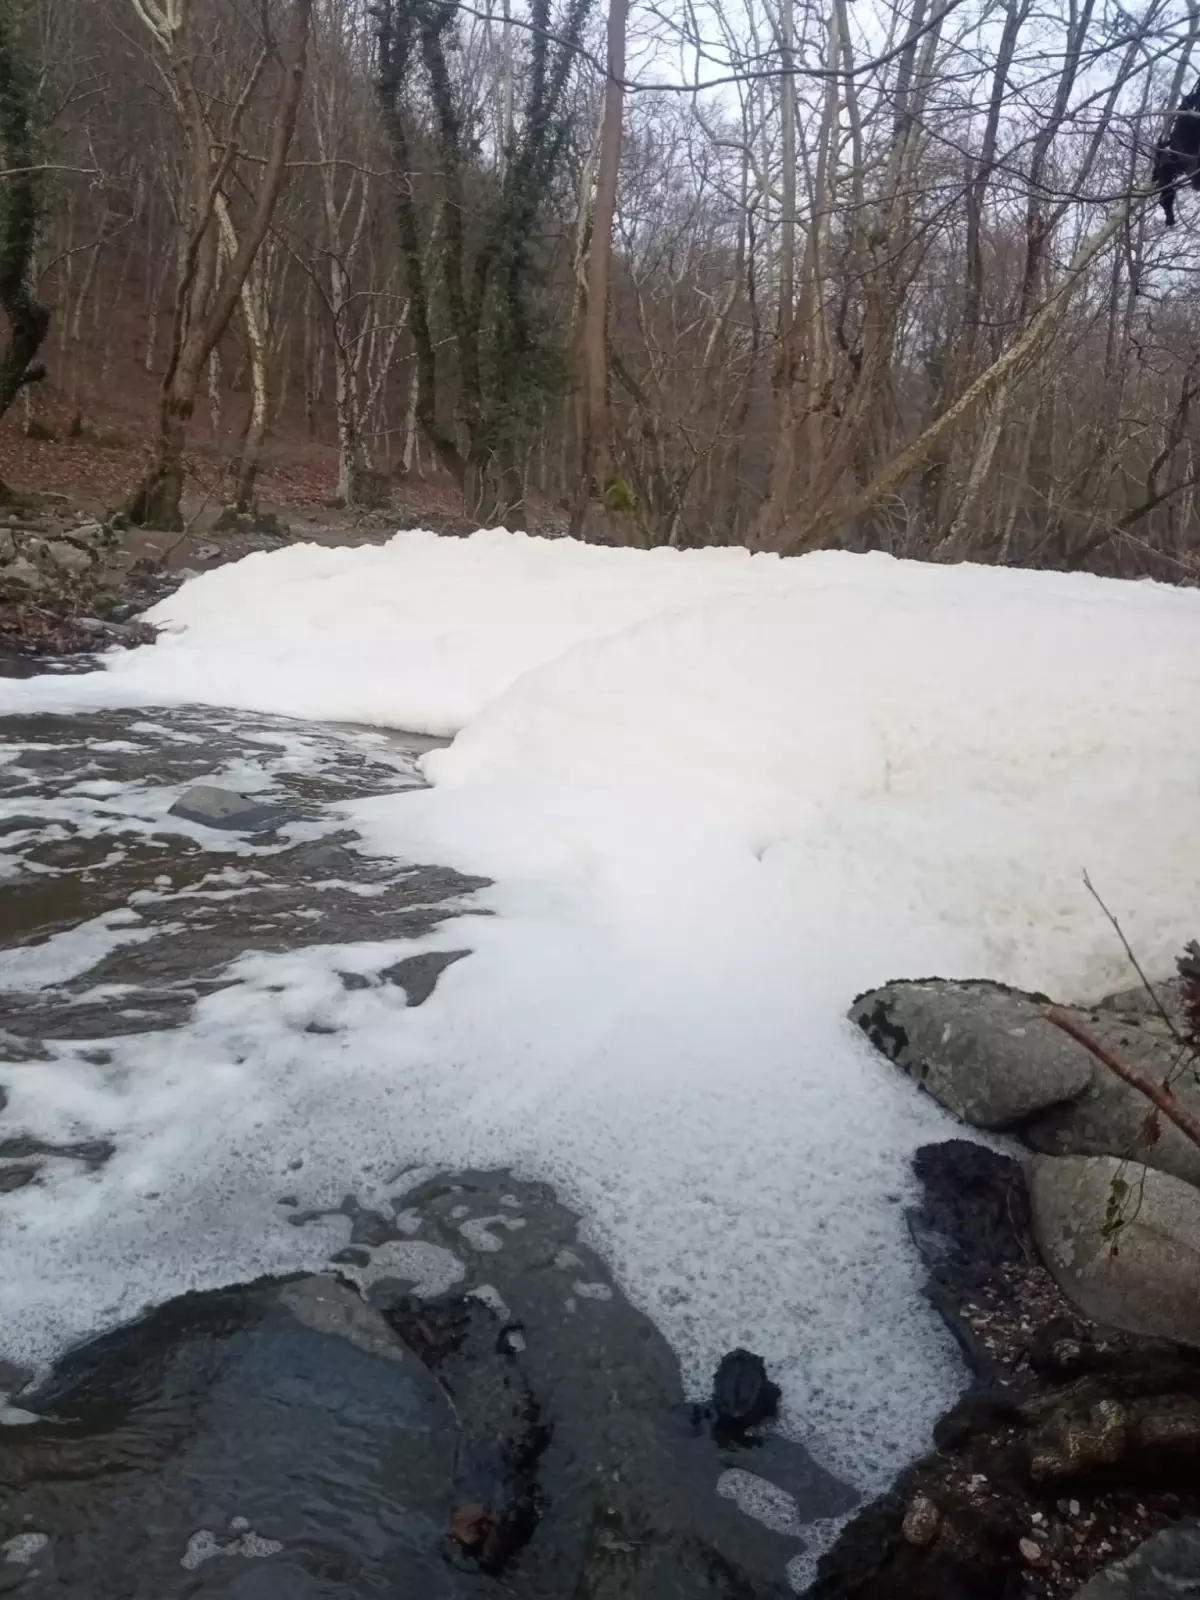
[216,252]
[22,183]
[878,277]
[604,506]
[509,369]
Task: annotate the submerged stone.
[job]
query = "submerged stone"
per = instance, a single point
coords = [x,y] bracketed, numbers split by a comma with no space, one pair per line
[215,807]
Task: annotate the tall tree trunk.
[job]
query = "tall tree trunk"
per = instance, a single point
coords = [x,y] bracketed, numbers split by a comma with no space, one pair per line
[603,505]
[209,295]
[253,303]
[20,212]
[774,508]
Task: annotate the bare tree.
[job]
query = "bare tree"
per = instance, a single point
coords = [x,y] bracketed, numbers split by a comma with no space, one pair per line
[601,497]
[211,278]
[21,186]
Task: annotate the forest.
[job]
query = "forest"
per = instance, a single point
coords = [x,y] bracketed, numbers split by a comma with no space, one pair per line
[785,274]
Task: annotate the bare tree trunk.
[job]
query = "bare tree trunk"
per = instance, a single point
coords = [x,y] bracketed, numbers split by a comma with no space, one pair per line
[214,390]
[245,472]
[20,208]
[209,296]
[786,375]
[603,506]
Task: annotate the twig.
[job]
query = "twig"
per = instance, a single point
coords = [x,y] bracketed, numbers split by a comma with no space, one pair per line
[1134,962]
[1158,1094]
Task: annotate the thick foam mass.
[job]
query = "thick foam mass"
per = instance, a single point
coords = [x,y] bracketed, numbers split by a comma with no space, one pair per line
[719,795]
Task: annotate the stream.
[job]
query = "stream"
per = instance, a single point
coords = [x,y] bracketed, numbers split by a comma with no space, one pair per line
[449,1395]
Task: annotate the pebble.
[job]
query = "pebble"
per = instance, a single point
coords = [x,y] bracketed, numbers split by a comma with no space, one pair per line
[1032,1552]
[921,1521]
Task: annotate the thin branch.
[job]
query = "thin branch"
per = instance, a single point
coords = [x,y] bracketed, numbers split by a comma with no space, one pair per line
[1133,960]
[1159,1095]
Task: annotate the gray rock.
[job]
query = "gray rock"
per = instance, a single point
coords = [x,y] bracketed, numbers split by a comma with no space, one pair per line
[67,555]
[22,570]
[1109,1118]
[222,808]
[988,1054]
[418,975]
[1168,996]
[1151,1285]
[1166,1567]
[13,1378]
[985,1052]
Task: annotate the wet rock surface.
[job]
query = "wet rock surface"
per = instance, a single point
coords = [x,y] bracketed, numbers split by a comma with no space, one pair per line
[512,1434]
[215,807]
[743,1396]
[89,837]
[1075,1443]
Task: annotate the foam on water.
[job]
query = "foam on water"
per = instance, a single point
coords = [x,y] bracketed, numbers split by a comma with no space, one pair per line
[719,795]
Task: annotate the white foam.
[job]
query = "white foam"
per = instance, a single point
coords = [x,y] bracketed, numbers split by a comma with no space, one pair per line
[766,1502]
[22,1549]
[429,1268]
[720,795]
[204,1545]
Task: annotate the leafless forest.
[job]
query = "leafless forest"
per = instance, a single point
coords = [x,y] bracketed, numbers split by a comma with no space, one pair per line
[786,273]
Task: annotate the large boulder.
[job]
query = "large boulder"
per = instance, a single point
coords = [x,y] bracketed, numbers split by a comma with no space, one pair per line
[988,1054]
[983,1051]
[1166,1567]
[1109,1118]
[1149,1283]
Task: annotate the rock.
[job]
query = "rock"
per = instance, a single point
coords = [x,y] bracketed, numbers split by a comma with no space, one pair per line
[1108,1421]
[68,556]
[921,1521]
[23,571]
[1166,1567]
[1151,1284]
[1136,1002]
[13,1378]
[985,1052]
[970,1224]
[1072,1446]
[222,808]
[92,1152]
[418,975]
[1109,1118]
[742,1395]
